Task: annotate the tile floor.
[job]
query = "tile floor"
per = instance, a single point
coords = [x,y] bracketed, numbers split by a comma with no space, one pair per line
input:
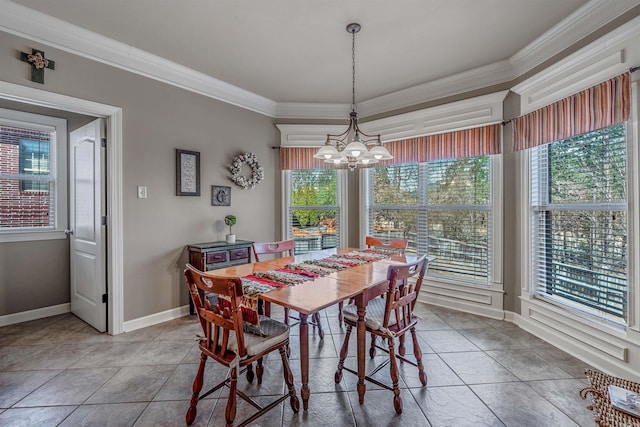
[481,372]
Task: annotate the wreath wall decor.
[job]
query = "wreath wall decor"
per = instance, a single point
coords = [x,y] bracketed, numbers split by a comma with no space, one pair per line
[257,172]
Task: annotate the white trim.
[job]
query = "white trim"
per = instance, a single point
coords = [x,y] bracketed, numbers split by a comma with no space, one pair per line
[478,111]
[363,199]
[477,78]
[33,25]
[39,313]
[36,26]
[342,190]
[58,168]
[607,347]
[115,271]
[342,200]
[483,301]
[497,216]
[581,23]
[154,319]
[595,63]
[604,348]
[633,213]
[285,190]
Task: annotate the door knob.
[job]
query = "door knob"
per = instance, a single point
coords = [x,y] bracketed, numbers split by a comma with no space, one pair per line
[68,232]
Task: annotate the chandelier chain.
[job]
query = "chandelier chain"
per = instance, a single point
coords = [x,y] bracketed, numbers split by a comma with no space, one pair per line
[353,70]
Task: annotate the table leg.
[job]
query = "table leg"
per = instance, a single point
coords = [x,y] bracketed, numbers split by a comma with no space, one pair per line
[304,360]
[361,336]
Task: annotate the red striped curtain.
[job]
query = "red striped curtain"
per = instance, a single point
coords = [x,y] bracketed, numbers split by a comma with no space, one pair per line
[301,158]
[451,145]
[598,107]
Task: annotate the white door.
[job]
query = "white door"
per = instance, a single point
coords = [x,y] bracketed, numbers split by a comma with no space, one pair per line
[87,242]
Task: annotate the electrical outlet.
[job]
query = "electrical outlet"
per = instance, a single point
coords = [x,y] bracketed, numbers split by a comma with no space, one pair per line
[142,192]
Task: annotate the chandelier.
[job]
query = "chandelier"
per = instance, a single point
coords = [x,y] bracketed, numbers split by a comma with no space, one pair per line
[353,147]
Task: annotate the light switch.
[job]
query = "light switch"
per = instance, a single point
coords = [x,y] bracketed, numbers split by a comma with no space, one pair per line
[142,192]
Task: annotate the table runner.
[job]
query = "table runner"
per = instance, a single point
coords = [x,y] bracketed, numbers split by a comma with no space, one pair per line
[256,284]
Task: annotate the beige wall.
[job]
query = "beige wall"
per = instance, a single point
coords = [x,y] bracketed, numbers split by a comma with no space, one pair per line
[157,119]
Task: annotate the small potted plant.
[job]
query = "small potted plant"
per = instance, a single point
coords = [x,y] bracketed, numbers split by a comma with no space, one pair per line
[230,220]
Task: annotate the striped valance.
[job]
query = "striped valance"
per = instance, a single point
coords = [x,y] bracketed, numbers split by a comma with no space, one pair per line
[598,107]
[301,158]
[450,145]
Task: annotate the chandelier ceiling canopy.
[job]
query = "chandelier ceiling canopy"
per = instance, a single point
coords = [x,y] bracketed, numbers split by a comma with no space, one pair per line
[353,147]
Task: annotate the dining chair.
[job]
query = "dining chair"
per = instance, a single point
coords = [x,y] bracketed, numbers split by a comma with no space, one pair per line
[286,248]
[226,342]
[395,246]
[390,318]
[398,246]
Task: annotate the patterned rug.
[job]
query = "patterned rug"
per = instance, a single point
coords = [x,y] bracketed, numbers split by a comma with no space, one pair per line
[256,284]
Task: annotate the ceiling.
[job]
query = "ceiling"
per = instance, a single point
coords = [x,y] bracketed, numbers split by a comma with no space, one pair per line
[298,51]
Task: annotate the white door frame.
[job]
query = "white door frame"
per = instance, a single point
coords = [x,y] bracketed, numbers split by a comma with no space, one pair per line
[115,275]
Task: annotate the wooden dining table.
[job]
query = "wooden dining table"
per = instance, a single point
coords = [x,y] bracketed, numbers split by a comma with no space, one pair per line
[362,283]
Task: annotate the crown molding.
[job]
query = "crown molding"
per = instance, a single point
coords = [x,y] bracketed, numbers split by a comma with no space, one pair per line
[306,110]
[593,64]
[36,26]
[30,24]
[478,111]
[581,23]
[477,78]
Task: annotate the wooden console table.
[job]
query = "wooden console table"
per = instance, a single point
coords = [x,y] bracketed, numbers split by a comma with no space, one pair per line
[215,255]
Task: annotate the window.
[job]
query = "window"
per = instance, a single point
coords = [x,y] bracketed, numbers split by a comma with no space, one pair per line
[579,219]
[442,207]
[313,217]
[34,160]
[32,176]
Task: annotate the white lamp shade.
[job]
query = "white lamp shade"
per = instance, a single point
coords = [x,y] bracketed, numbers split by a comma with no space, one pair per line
[380,153]
[367,159]
[336,160]
[355,149]
[327,152]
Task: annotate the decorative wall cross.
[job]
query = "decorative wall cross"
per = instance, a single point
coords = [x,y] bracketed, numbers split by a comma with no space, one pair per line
[38,64]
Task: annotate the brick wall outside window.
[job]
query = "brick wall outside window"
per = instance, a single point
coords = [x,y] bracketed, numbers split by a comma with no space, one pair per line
[20,208]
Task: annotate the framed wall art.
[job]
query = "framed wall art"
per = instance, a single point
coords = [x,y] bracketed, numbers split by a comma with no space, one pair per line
[220,196]
[187,173]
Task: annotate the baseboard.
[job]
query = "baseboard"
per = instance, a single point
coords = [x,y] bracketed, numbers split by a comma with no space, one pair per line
[592,353]
[154,319]
[39,313]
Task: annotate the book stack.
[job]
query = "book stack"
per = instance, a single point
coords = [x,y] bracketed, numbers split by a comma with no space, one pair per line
[625,400]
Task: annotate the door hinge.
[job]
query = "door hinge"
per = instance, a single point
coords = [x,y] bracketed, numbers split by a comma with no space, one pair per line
[104,298]
[104,142]
[104,220]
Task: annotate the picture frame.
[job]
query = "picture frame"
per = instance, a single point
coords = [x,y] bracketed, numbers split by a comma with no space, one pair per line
[187,173]
[220,195]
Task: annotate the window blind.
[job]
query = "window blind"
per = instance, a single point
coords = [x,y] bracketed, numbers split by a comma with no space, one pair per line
[442,208]
[579,212]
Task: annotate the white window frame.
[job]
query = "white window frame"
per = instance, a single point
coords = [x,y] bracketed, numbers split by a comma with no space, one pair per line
[610,348]
[57,167]
[576,308]
[495,237]
[341,201]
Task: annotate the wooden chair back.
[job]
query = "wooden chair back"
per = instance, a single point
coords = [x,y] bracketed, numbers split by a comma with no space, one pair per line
[396,245]
[283,246]
[403,293]
[219,320]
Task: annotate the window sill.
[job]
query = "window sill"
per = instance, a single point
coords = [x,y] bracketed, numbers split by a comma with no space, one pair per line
[31,236]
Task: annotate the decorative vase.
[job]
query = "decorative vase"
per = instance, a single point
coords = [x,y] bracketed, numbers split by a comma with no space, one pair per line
[231,238]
